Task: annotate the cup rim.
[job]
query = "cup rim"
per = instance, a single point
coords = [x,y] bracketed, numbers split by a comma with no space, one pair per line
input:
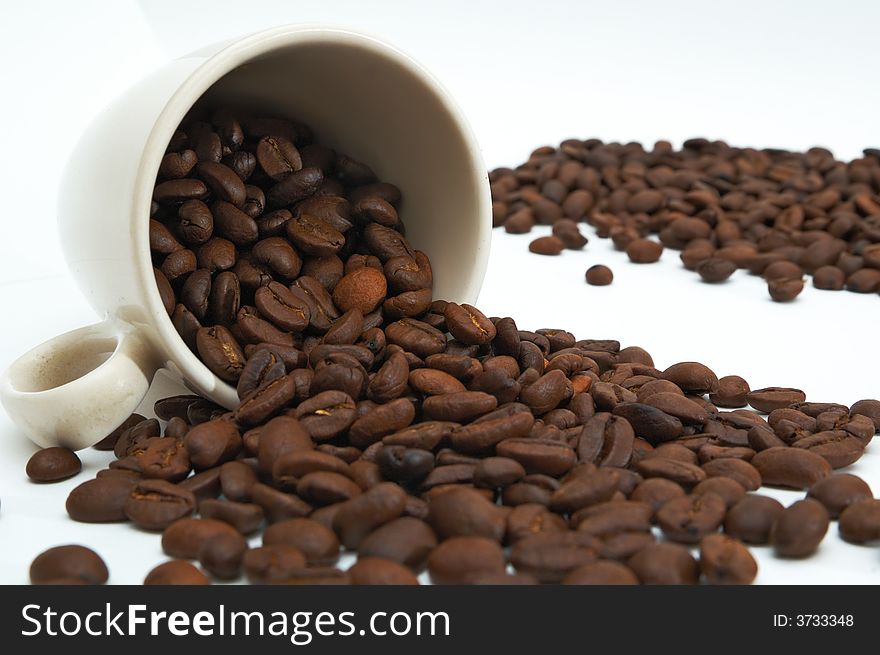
[230,56]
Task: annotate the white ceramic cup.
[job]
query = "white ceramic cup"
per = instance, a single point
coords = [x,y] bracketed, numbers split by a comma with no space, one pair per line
[360,95]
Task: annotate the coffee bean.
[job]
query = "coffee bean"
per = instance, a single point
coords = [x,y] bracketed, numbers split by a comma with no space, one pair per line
[599,275]
[318,544]
[272,564]
[247,518]
[378,571]
[664,563]
[650,423]
[101,500]
[176,572]
[468,324]
[222,555]
[715,269]
[688,518]
[550,245]
[155,504]
[53,465]
[746,474]
[839,491]
[727,488]
[405,540]
[601,572]
[770,398]
[868,408]
[68,565]
[372,509]
[683,473]
[752,518]
[644,251]
[799,529]
[465,513]
[726,561]
[838,447]
[785,289]
[458,560]
[362,289]
[278,157]
[860,521]
[220,352]
[277,505]
[185,538]
[791,467]
[236,480]
[551,556]
[692,377]
[732,392]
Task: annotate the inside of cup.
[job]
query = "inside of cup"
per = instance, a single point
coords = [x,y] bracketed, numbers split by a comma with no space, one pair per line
[370,104]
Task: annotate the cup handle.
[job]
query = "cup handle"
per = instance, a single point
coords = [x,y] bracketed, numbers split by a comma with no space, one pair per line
[75,389]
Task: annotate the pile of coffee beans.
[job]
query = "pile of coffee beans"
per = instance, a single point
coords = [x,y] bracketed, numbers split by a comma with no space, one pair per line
[500,456]
[775,213]
[419,433]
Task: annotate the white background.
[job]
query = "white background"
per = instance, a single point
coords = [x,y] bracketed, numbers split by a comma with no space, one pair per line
[784,74]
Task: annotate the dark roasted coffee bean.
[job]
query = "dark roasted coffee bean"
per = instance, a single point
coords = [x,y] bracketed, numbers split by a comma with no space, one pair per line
[195,222]
[220,352]
[689,518]
[692,377]
[236,480]
[752,517]
[551,556]
[464,512]
[101,500]
[741,471]
[272,564]
[549,245]
[278,157]
[601,572]
[715,269]
[318,544]
[156,504]
[839,491]
[68,565]
[860,521]
[468,324]
[176,572]
[799,529]
[650,423]
[372,509]
[262,367]
[205,484]
[664,563]
[791,467]
[724,560]
[868,408]
[294,187]
[460,559]
[404,465]
[599,275]
[212,443]
[405,540]
[644,251]
[683,473]
[53,464]
[109,442]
